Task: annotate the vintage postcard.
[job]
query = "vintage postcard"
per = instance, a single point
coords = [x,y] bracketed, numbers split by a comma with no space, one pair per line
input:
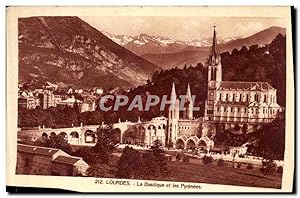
[150,99]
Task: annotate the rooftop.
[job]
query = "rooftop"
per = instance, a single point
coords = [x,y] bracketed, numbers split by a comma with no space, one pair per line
[240,85]
[67,159]
[36,150]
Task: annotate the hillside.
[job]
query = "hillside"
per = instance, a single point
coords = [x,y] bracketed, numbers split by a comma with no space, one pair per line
[68,51]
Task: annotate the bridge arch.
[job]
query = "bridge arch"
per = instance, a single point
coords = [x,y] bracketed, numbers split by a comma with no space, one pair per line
[89,136]
[52,135]
[64,135]
[45,135]
[74,137]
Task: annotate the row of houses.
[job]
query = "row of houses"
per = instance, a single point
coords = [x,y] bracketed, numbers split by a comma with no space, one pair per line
[46,99]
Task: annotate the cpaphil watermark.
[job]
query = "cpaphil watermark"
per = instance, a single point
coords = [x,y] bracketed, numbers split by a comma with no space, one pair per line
[152,100]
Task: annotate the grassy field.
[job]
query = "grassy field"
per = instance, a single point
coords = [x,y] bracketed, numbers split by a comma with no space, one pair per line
[195,171]
[213,174]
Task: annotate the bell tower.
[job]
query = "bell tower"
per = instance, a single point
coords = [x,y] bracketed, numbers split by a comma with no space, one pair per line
[214,62]
[214,76]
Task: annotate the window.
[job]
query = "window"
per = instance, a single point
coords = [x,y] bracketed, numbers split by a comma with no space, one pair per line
[247,99]
[265,98]
[220,96]
[240,99]
[226,99]
[238,109]
[256,97]
[233,97]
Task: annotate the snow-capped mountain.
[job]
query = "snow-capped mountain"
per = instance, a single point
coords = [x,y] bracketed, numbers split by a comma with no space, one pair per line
[119,39]
[146,44]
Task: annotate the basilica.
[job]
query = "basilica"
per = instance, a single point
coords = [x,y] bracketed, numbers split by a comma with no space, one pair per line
[242,106]
[232,102]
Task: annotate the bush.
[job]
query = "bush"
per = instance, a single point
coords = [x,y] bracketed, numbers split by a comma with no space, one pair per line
[280,169]
[268,168]
[250,166]
[221,162]
[239,165]
[207,159]
[185,158]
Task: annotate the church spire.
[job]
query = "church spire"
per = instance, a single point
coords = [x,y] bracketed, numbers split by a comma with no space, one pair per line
[214,47]
[173,94]
[188,92]
[189,103]
[214,52]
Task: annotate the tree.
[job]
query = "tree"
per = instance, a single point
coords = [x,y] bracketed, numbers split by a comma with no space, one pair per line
[106,144]
[100,170]
[207,159]
[148,168]
[76,108]
[55,141]
[178,157]
[86,153]
[128,163]
[161,160]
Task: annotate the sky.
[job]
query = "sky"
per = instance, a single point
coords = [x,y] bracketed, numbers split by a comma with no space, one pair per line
[182,28]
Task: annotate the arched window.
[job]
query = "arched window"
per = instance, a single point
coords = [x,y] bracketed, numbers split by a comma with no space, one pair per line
[256,97]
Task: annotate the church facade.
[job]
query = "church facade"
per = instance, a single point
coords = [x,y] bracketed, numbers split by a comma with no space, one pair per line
[234,102]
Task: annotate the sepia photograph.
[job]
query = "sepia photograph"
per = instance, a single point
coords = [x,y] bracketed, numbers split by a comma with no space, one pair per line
[158,101]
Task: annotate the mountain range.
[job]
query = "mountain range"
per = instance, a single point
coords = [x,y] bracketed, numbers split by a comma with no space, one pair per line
[68,51]
[144,43]
[167,52]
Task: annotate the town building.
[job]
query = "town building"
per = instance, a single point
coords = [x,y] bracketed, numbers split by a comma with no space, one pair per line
[68,102]
[28,102]
[47,99]
[36,160]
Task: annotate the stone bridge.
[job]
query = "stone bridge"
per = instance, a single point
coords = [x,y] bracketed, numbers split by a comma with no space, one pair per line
[83,135]
[142,132]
